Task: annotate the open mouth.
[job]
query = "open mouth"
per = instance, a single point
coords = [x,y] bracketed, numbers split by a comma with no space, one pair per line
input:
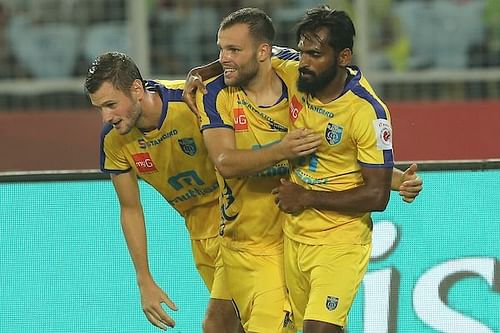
[229,71]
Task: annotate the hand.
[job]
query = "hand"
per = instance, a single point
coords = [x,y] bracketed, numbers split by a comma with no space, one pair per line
[193,83]
[411,184]
[299,142]
[289,197]
[151,298]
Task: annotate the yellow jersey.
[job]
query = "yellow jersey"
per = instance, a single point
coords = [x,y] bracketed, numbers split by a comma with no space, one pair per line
[356,129]
[172,158]
[251,220]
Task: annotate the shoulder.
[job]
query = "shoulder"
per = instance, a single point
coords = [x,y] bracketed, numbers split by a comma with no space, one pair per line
[365,99]
[217,90]
[285,53]
[172,84]
[108,132]
[216,84]
[285,62]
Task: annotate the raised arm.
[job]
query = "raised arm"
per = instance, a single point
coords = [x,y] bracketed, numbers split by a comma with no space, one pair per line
[134,230]
[194,82]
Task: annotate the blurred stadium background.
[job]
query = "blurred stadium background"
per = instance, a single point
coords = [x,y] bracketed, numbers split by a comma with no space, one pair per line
[435,62]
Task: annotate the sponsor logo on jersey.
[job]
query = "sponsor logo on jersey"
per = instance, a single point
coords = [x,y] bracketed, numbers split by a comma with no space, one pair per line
[333,134]
[240,120]
[185,179]
[331,303]
[319,110]
[143,143]
[295,108]
[194,193]
[309,179]
[144,163]
[188,146]
[274,125]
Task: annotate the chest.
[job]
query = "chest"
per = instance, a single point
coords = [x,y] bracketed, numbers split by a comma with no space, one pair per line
[257,127]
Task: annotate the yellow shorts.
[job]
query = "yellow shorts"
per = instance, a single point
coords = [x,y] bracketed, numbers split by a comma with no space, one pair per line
[323,280]
[258,288]
[209,264]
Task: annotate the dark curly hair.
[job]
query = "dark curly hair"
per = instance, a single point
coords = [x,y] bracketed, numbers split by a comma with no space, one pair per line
[339,24]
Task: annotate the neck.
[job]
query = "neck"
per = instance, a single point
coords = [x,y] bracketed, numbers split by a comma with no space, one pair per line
[265,88]
[334,89]
[151,106]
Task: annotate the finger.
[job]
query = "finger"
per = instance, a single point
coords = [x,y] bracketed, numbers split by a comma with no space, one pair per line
[307,152]
[412,186]
[411,170]
[409,192]
[312,140]
[169,303]
[155,320]
[307,132]
[408,200]
[313,136]
[165,318]
[306,138]
[275,191]
[308,146]
[415,181]
[199,85]
[303,132]
[192,106]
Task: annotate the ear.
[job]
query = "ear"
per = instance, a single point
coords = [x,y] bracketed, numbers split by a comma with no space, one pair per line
[137,89]
[344,57]
[264,52]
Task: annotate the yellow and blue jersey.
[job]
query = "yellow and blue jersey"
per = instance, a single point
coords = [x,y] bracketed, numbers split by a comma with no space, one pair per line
[251,220]
[172,158]
[356,130]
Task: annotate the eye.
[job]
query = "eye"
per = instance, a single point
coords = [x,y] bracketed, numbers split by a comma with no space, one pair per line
[110,105]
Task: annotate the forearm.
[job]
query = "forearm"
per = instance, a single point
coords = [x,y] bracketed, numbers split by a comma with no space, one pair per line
[207,71]
[240,163]
[359,199]
[134,230]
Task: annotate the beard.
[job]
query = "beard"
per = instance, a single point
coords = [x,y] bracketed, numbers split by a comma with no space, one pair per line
[132,119]
[316,82]
[245,74]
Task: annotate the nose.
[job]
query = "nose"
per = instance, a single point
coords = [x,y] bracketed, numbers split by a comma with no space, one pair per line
[106,115]
[223,56]
[303,62]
